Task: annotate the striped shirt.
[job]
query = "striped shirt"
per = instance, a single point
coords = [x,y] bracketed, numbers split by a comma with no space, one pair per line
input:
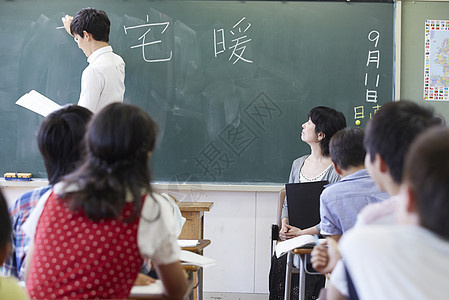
[19,212]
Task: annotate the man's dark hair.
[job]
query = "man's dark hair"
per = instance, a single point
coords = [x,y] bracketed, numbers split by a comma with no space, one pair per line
[346,148]
[328,121]
[93,21]
[5,222]
[426,172]
[392,130]
[60,140]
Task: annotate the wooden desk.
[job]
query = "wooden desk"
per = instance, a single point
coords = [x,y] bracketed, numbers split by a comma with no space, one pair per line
[155,293]
[193,229]
[190,269]
[198,249]
[194,213]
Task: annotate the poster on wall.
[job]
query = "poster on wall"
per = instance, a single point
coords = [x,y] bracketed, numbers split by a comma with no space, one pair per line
[436,64]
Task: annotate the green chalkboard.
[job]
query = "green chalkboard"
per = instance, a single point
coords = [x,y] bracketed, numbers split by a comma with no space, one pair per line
[228,82]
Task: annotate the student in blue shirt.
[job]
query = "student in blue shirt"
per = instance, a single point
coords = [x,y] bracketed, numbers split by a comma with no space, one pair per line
[388,137]
[409,259]
[341,202]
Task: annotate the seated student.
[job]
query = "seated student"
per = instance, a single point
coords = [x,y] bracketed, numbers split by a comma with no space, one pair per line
[388,136]
[341,202]
[60,143]
[408,260]
[179,221]
[9,288]
[387,139]
[103,218]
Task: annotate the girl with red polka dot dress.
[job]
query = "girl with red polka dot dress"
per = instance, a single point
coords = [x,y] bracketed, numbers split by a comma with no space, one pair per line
[103,219]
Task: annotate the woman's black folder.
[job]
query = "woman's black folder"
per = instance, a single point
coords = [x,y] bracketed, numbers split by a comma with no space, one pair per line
[303,202]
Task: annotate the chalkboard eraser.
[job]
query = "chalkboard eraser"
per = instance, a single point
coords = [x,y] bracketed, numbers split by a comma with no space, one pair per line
[17,176]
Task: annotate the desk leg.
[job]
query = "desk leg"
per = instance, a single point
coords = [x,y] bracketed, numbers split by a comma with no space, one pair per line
[288,275]
[201,225]
[200,284]
[302,276]
[191,295]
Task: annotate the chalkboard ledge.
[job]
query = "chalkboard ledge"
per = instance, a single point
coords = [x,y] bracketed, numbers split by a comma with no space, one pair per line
[37,182]
[225,187]
[166,186]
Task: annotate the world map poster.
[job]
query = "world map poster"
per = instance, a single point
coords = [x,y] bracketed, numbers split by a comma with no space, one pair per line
[436,65]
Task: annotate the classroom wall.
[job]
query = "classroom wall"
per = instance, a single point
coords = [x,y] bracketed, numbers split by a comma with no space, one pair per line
[412,33]
[239,223]
[239,227]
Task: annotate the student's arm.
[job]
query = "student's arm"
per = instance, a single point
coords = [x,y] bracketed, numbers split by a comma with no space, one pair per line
[295,231]
[324,259]
[157,240]
[174,280]
[143,279]
[336,237]
[333,293]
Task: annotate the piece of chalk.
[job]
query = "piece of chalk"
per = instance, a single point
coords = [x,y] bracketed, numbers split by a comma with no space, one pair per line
[17,176]
[357,122]
[60,27]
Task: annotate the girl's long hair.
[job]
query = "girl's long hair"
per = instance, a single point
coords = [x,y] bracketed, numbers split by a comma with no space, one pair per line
[118,143]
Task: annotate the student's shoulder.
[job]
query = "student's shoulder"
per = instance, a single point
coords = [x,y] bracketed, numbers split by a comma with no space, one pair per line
[28,200]
[335,190]
[366,238]
[36,193]
[378,213]
[156,204]
[10,289]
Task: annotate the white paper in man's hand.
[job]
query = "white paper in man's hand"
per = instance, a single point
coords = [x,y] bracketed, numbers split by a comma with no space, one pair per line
[38,103]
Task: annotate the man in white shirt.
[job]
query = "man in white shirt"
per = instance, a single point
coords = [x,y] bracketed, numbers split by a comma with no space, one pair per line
[103,80]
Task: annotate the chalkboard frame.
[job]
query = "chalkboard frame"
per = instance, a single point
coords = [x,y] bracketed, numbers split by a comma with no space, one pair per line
[252,162]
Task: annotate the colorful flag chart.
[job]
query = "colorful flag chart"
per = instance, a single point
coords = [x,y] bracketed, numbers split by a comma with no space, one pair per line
[436,64]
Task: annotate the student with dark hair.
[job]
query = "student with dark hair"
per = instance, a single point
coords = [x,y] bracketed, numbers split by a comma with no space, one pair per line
[342,201]
[9,288]
[103,218]
[323,122]
[103,80]
[388,137]
[59,140]
[408,260]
